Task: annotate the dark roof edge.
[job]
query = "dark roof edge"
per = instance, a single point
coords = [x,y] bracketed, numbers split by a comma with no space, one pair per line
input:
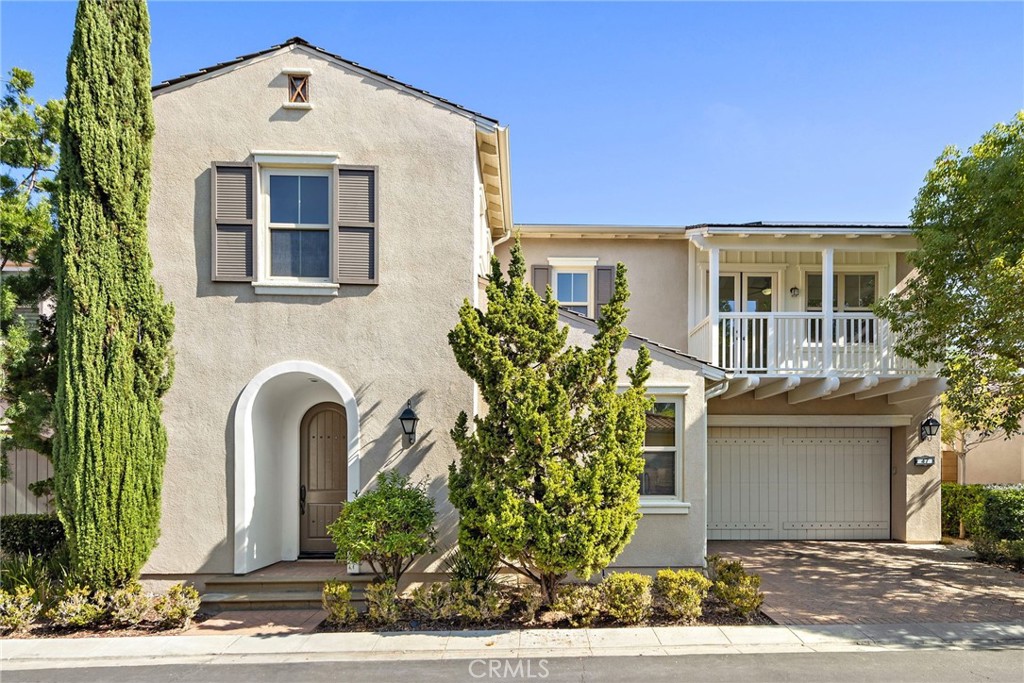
[296,40]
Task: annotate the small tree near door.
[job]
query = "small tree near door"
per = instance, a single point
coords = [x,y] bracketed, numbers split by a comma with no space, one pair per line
[548,480]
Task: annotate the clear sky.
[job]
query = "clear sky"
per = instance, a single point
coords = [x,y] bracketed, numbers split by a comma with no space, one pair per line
[663,113]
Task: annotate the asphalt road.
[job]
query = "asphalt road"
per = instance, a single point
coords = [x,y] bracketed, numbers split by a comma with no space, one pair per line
[926,666]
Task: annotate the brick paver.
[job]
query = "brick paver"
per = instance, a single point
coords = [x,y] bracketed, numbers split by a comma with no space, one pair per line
[841,582]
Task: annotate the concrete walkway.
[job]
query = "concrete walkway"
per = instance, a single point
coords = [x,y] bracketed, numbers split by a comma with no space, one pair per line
[51,653]
[847,582]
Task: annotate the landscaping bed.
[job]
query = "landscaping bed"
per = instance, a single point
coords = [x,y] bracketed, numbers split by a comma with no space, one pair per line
[991,516]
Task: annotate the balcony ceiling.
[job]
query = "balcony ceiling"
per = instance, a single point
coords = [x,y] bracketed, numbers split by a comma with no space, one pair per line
[799,389]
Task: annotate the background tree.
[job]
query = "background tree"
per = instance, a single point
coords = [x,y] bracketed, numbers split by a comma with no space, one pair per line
[29,135]
[548,478]
[964,307]
[113,327]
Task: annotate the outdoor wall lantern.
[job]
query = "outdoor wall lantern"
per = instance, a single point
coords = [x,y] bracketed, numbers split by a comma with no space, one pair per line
[929,428]
[794,292]
[408,419]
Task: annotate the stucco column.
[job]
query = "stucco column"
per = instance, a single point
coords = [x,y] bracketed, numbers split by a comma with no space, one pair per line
[916,496]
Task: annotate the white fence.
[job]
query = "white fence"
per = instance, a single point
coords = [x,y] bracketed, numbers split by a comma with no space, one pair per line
[27,467]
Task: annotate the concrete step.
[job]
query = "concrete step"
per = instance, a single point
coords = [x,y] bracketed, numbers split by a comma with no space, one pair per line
[262,593]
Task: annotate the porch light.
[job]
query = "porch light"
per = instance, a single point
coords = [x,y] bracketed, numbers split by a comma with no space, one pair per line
[929,428]
[794,291]
[767,291]
[408,419]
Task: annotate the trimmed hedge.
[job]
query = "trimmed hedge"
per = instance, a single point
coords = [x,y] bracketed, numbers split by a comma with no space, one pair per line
[1002,516]
[962,502]
[38,535]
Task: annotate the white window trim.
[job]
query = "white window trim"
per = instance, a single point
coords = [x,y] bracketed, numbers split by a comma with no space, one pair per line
[287,164]
[674,504]
[880,271]
[575,265]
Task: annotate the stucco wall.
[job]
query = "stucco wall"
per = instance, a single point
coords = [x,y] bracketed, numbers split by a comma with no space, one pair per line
[388,342]
[675,539]
[657,278]
[998,461]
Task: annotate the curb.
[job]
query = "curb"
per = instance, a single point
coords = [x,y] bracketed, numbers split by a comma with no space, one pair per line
[48,653]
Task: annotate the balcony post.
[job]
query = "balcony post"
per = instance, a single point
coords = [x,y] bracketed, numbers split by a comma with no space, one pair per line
[713,312]
[828,335]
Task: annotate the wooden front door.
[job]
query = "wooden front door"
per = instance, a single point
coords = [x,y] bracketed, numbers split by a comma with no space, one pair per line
[323,475]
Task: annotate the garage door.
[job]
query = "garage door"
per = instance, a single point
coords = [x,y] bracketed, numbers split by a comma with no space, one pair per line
[798,483]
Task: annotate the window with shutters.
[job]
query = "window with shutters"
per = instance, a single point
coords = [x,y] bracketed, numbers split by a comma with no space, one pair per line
[294,224]
[572,289]
[297,206]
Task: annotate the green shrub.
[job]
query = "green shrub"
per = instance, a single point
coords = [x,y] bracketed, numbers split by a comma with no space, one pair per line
[337,601]
[680,594]
[38,535]
[382,603]
[18,609]
[962,502]
[477,569]
[128,606]
[738,591]
[627,597]
[79,608]
[581,603]
[1001,551]
[177,608]
[1002,516]
[460,601]
[387,527]
[526,601]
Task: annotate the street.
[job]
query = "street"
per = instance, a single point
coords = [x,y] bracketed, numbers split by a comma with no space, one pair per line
[925,666]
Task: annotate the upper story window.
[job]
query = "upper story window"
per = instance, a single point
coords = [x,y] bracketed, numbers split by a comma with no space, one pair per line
[850,291]
[663,449]
[299,226]
[572,289]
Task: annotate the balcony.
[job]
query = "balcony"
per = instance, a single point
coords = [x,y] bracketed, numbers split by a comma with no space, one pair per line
[776,343]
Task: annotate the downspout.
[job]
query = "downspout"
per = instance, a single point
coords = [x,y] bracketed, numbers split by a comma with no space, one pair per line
[717,390]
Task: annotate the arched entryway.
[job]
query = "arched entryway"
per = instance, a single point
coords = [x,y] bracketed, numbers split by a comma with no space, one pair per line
[322,476]
[267,455]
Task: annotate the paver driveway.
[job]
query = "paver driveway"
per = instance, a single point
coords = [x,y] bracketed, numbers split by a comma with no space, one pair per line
[843,582]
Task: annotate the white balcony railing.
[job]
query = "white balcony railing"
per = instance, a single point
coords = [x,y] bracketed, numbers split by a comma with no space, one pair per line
[798,344]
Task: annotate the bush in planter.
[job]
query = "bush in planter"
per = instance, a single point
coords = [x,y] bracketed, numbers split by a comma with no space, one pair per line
[38,535]
[128,606]
[383,608]
[387,527]
[680,594]
[337,602]
[18,609]
[738,591]
[177,608]
[627,597]
[79,608]
[581,603]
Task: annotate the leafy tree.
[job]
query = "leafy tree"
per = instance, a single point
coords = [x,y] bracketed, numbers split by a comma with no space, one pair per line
[963,307]
[388,527]
[29,135]
[548,477]
[113,326]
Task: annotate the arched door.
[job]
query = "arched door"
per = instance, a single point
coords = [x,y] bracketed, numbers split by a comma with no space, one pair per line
[323,475]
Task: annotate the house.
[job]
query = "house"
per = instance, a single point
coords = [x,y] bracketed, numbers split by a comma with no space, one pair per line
[994,459]
[317,225]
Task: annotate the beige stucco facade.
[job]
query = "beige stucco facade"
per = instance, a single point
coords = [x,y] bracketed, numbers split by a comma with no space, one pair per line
[995,460]
[386,342]
[249,364]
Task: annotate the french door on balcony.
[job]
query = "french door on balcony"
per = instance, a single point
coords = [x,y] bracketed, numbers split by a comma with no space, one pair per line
[744,340]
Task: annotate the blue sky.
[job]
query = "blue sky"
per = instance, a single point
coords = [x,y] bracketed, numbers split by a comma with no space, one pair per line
[662,113]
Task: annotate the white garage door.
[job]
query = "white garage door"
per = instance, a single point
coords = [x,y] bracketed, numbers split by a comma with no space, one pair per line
[798,483]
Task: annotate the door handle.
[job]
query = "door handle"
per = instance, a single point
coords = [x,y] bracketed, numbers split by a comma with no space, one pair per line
[302,499]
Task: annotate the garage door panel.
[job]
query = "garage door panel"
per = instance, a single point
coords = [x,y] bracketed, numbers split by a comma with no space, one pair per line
[798,483]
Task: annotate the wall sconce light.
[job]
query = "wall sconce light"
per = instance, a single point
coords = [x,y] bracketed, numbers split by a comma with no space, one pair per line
[794,291]
[408,419]
[929,428]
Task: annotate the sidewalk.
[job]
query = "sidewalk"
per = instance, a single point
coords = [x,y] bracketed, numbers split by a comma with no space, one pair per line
[646,641]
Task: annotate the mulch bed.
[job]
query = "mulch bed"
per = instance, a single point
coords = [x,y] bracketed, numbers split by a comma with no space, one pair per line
[713,616]
[49,631]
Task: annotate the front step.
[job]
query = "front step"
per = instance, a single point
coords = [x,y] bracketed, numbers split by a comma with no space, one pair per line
[258,591]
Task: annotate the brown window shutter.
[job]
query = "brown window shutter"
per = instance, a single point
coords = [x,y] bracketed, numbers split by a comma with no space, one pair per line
[604,287]
[233,214]
[540,276]
[356,244]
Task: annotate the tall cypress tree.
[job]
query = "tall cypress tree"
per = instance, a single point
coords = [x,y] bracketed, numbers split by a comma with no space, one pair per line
[113,326]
